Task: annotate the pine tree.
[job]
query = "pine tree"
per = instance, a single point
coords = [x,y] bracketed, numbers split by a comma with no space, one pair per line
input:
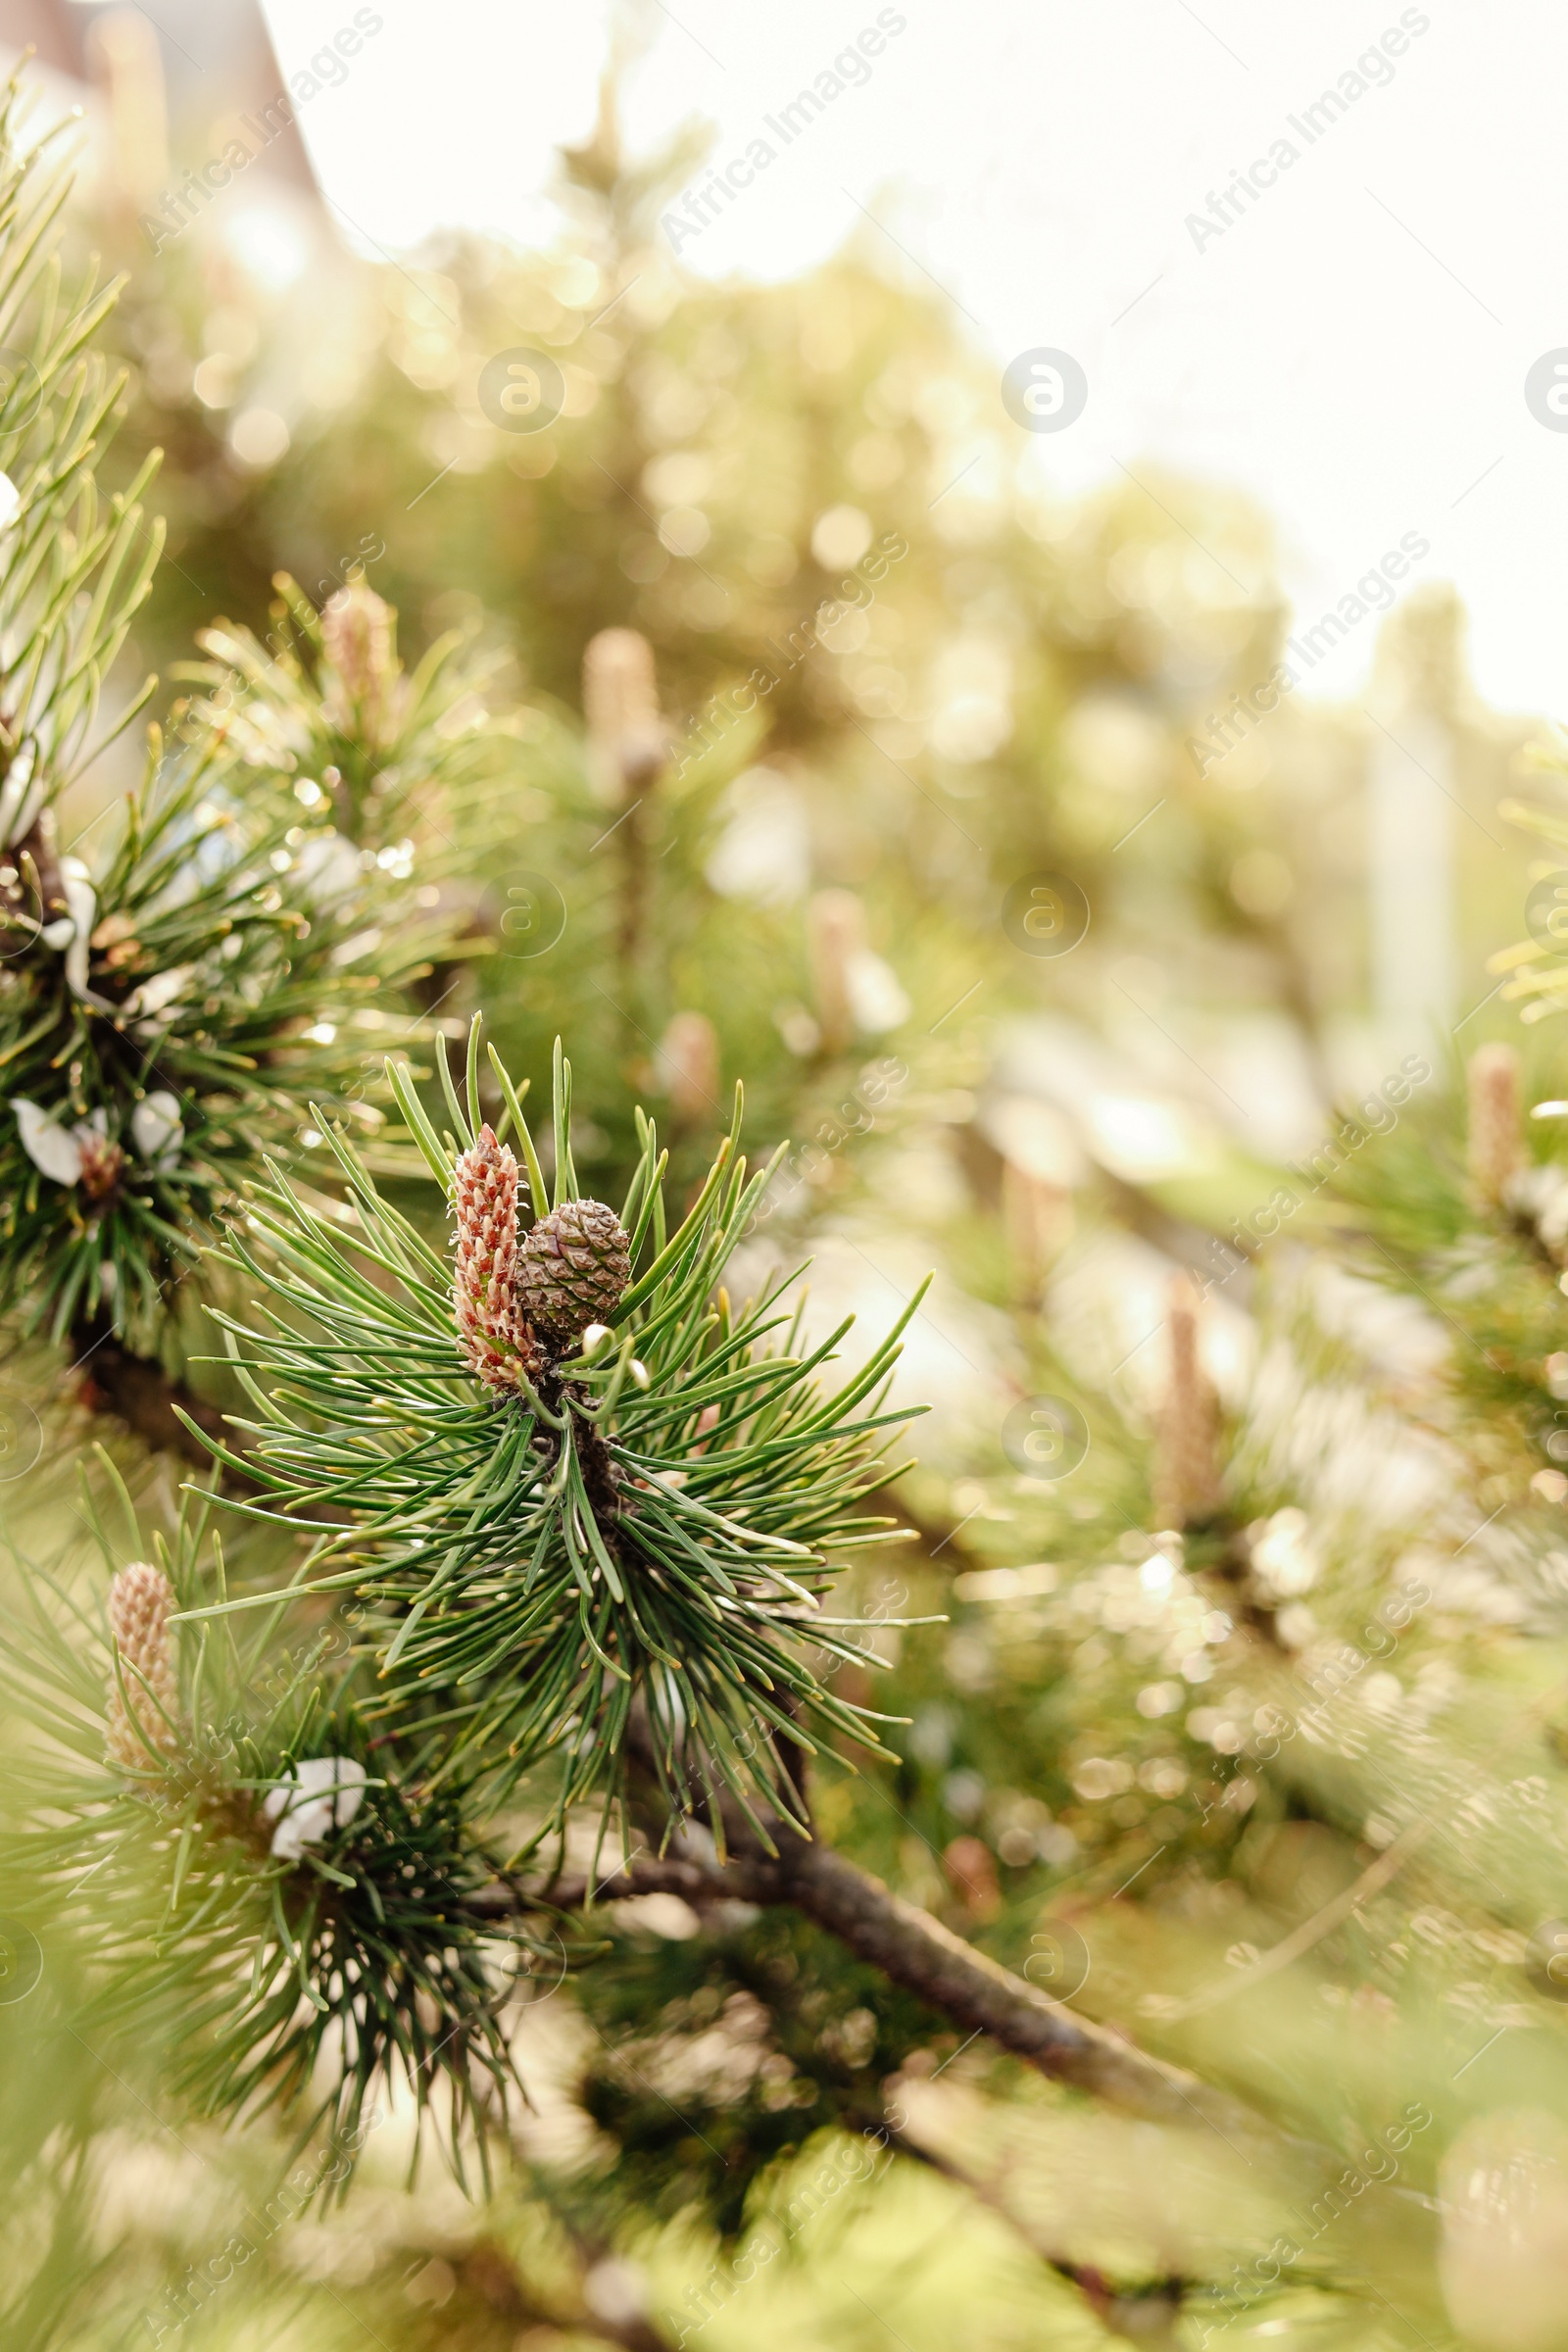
[1181,1809]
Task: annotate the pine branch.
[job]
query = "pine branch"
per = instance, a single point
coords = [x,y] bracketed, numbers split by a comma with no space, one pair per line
[979,1994]
[378,750]
[213,1832]
[973,1991]
[576,1479]
[541,1533]
[168,1005]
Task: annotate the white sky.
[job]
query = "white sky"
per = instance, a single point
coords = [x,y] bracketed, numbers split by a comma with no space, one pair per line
[1352,350]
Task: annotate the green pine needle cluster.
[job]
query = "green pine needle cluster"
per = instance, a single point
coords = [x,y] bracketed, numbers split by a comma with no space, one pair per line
[172,996]
[256,1976]
[391,757]
[236,950]
[75,567]
[631,1549]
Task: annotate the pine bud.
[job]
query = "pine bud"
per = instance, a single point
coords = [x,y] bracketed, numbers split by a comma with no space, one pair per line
[573,1270]
[358,640]
[972,1873]
[141,1600]
[836,936]
[627,739]
[102,1163]
[1497,1153]
[495,1334]
[858,992]
[1187,1477]
[687,1065]
[1036,1216]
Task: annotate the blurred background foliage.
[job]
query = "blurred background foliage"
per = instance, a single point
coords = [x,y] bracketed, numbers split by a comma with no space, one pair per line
[1246,1728]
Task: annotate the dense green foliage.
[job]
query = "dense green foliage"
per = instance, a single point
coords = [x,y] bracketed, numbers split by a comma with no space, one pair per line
[651,1518]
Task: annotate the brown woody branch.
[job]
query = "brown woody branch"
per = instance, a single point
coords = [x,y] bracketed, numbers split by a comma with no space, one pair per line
[915,1950]
[979,1994]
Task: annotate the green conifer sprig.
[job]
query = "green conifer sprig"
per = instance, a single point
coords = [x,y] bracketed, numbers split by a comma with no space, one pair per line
[73,565]
[636,1536]
[265,1910]
[1489,1270]
[223,956]
[392,755]
[171,998]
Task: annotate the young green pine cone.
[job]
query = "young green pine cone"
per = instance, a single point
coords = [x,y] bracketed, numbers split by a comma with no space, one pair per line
[573,1271]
